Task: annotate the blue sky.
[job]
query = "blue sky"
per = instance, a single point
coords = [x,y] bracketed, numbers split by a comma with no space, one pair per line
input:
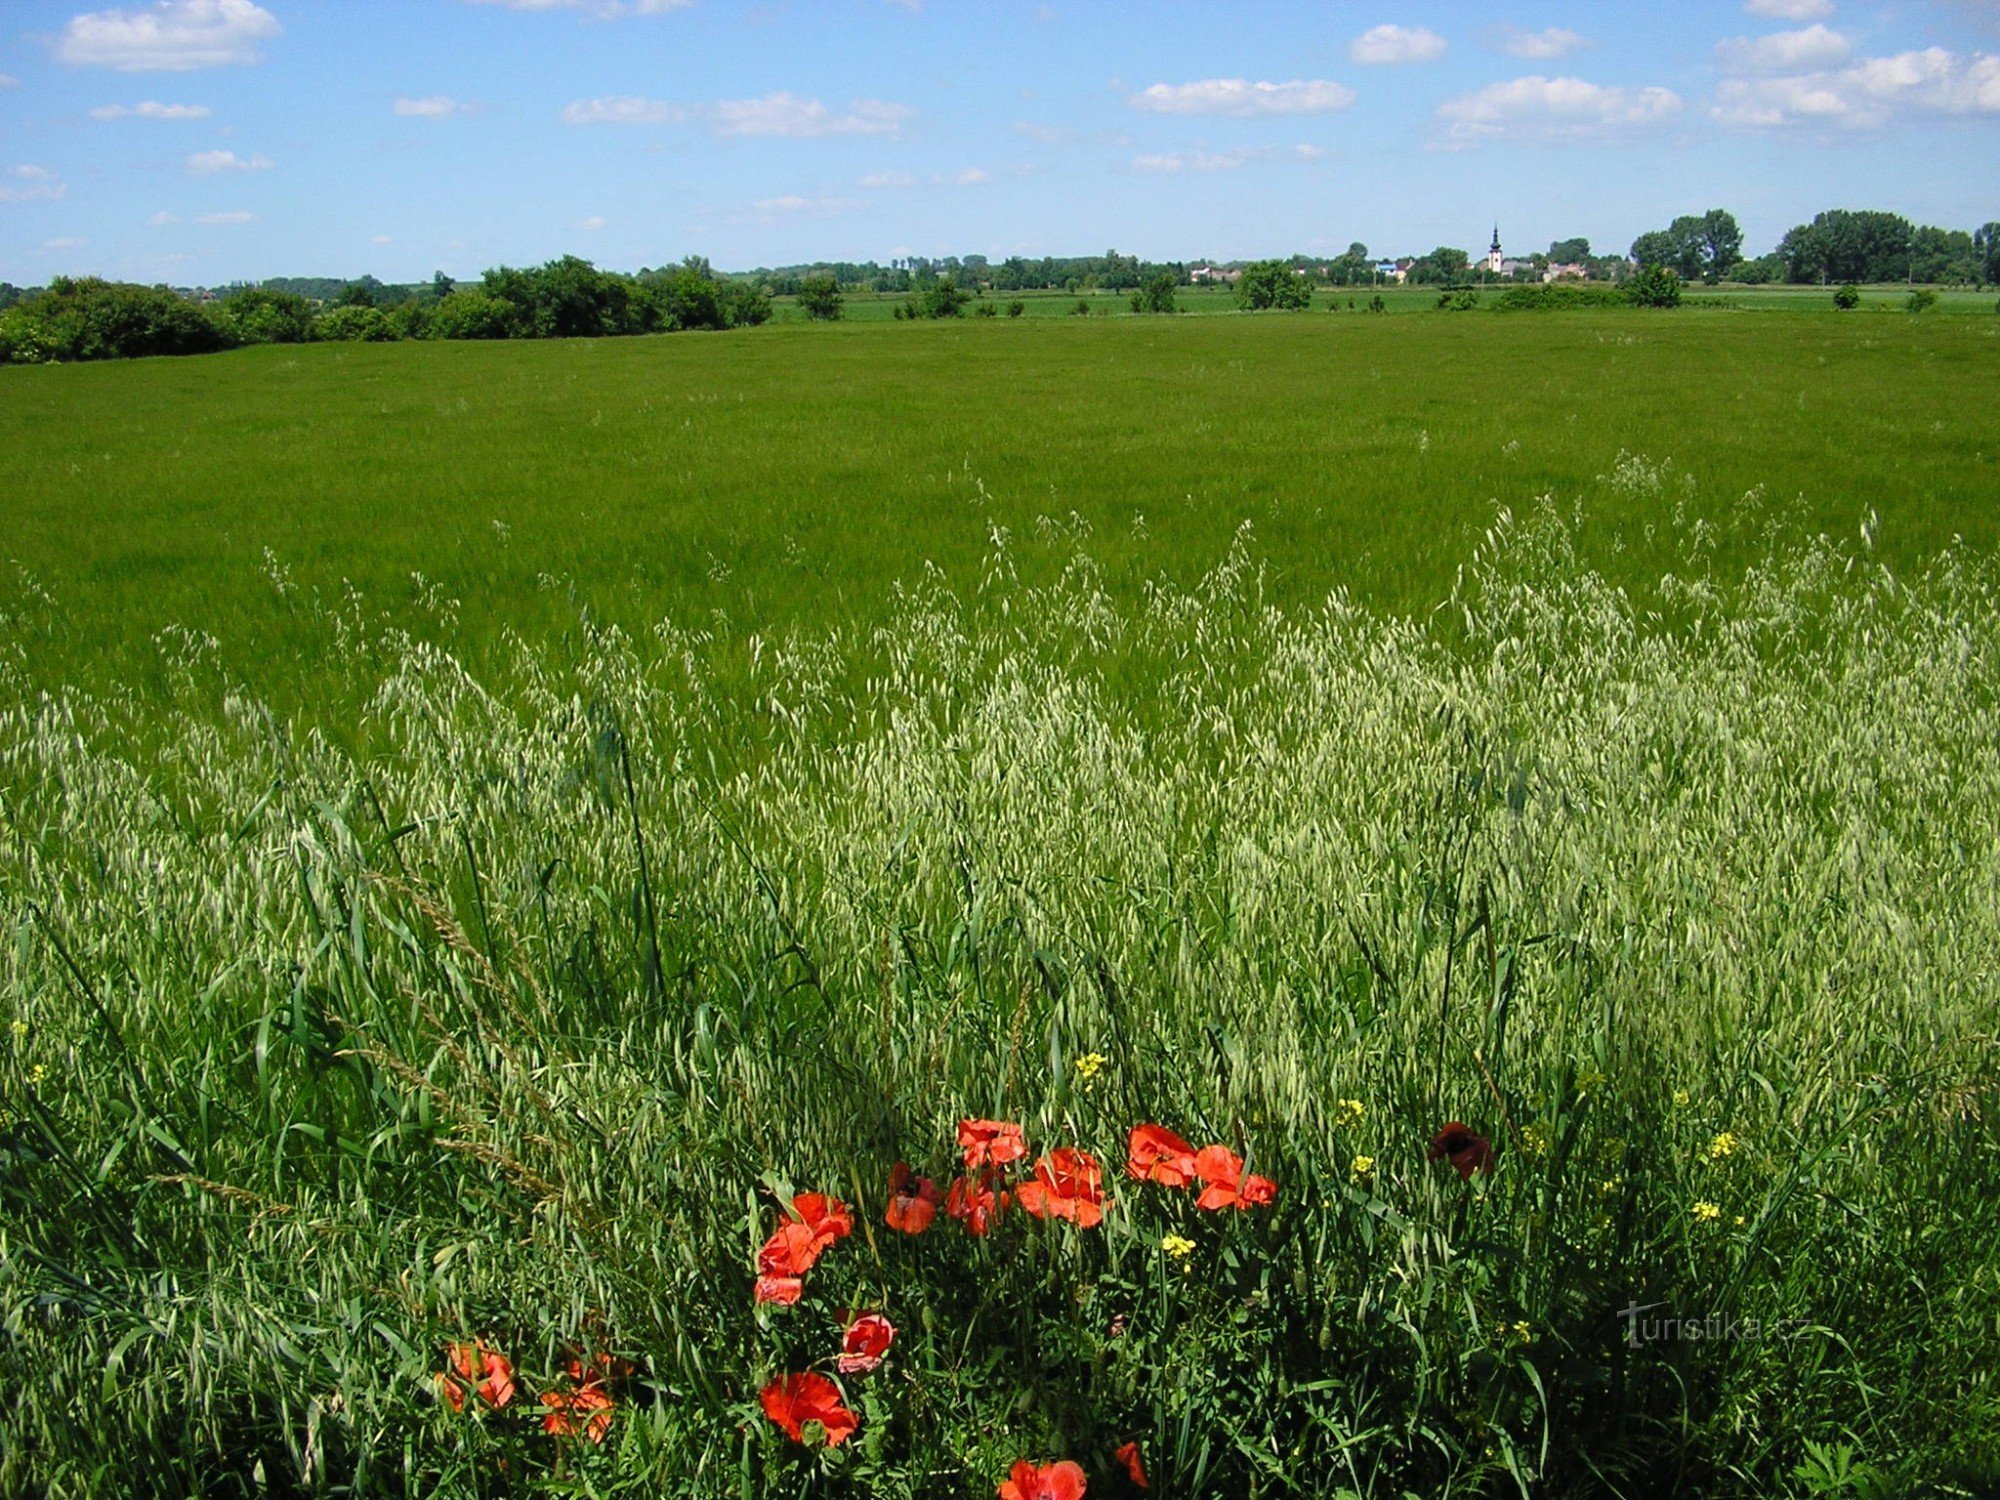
[203,141]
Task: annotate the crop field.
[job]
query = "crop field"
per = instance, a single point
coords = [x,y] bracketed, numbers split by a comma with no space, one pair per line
[493,838]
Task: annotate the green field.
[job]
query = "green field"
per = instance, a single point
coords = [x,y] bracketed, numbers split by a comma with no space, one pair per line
[792,476]
[482,826]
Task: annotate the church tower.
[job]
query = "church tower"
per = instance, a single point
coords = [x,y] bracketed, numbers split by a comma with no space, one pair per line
[1493,255]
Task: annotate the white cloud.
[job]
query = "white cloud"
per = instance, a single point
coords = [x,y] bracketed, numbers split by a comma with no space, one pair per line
[236,217]
[1872,92]
[1790,10]
[1310,153]
[622,109]
[779,114]
[787,114]
[1554,109]
[31,184]
[1237,96]
[64,244]
[431,107]
[151,110]
[161,220]
[208,163]
[971,177]
[887,180]
[1176,162]
[1784,51]
[173,36]
[595,221]
[1540,46]
[1387,45]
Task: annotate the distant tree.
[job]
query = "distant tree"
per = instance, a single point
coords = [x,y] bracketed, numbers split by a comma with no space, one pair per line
[442,286]
[9,295]
[1573,252]
[89,318]
[1155,294]
[1846,245]
[1847,298]
[745,304]
[262,316]
[1703,247]
[1444,265]
[820,297]
[1986,248]
[1273,284]
[474,315]
[363,291]
[353,323]
[1655,286]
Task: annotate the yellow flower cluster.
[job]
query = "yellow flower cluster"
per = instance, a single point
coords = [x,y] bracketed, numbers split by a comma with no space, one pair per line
[1533,1141]
[1088,1067]
[1724,1145]
[1363,1168]
[1350,1114]
[1177,1246]
[1707,1212]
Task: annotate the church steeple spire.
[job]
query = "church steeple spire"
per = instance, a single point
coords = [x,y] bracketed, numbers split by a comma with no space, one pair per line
[1496,239]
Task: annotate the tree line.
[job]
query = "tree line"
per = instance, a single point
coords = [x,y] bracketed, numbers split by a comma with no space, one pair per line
[88,318]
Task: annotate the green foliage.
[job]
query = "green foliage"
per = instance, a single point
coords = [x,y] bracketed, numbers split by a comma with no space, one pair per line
[1155,294]
[1986,248]
[1559,296]
[474,315]
[745,304]
[1698,247]
[1463,300]
[1082,308]
[820,297]
[1654,286]
[1847,298]
[1443,265]
[1273,285]
[89,318]
[1922,300]
[1843,245]
[1377,305]
[1016,307]
[986,310]
[354,323]
[1570,252]
[267,317]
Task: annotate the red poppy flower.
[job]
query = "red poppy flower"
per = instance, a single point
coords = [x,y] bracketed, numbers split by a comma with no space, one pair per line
[1225,1184]
[913,1201]
[585,1412]
[794,1400]
[1063,1481]
[1156,1154]
[1067,1185]
[1129,1456]
[478,1366]
[1465,1148]
[828,1218]
[990,1143]
[978,1202]
[867,1340]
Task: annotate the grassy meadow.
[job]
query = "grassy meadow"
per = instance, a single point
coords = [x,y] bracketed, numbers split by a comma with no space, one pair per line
[482,827]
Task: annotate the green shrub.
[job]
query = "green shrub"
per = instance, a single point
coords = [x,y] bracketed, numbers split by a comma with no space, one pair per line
[987,310]
[1156,294]
[1463,300]
[23,341]
[262,316]
[1016,308]
[1082,308]
[1655,286]
[1274,285]
[353,324]
[1922,300]
[819,296]
[474,315]
[745,304]
[89,318]
[1847,298]
[1558,297]
[1377,305]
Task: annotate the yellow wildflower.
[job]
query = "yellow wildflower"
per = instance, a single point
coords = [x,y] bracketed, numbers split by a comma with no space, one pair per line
[1722,1146]
[1707,1212]
[1534,1142]
[1349,1114]
[1088,1067]
[20,1030]
[1680,1098]
[1177,1246]
[1363,1168]
[36,1074]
